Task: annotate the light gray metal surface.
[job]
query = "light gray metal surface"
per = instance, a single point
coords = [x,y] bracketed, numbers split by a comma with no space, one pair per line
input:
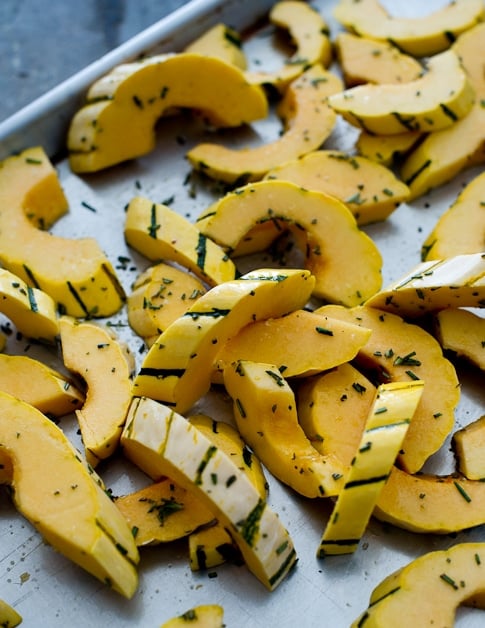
[45,587]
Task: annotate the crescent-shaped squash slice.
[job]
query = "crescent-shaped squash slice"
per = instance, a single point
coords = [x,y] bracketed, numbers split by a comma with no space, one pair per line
[32,311]
[457,281]
[75,273]
[461,228]
[46,389]
[160,294]
[178,367]
[445,153]
[384,431]
[310,35]
[158,232]
[419,36]
[330,227]
[308,120]
[118,121]
[300,344]
[94,353]
[223,42]
[365,60]
[462,332]
[62,498]
[162,442]
[429,589]
[371,191]
[469,447]
[443,95]
[203,616]
[400,351]
[265,414]
[385,149]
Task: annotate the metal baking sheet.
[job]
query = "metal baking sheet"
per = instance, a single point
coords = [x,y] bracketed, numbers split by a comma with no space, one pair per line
[46,588]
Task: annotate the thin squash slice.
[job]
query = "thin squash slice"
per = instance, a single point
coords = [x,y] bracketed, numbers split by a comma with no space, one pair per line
[462,332]
[203,616]
[220,41]
[469,447]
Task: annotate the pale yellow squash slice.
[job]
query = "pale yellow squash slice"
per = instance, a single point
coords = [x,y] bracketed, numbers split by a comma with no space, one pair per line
[162,512]
[371,191]
[220,41]
[386,149]
[74,272]
[162,442]
[264,408]
[330,227]
[203,616]
[428,590]
[420,36]
[400,351]
[463,333]
[310,36]
[178,367]
[299,344]
[384,431]
[365,60]
[469,448]
[158,232]
[457,281]
[32,311]
[105,364]
[443,154]
[461,228]
[439,98]
[9,616]
[118,121]
[46,389]
[332,410]
[62,498]
[160,294]
[308,122]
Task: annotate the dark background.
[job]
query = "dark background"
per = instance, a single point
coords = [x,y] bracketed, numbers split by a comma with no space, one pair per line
[43,42]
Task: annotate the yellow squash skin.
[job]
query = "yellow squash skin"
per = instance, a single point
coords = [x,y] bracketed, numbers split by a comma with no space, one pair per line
[443,95]
[265,413]
[160,294]
[158,232]
[428,590]
[452,282]
[370,190]
[384,431]
[299,344]
[178,367]
[162,442]
[468,445]
[332,410]
[94,353]
[203,616]
[211,546]
[445,153]
[420,36]
[308,122]
[310,35]
[118,121]
[400,351]
[9,616]
[330,227]
[461,228]
[32,311]
[162,512]
[365,60]
[62,498]
[39,385]
[462,332]
[385,149]
[75,273]
[220,41]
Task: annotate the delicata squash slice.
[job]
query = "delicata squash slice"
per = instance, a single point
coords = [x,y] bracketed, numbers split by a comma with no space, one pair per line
[419,36]
[330,227]
[461,332]
[443,95]
[220,41]
[118,121]
[308,120]
[75,273]
[63,498]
